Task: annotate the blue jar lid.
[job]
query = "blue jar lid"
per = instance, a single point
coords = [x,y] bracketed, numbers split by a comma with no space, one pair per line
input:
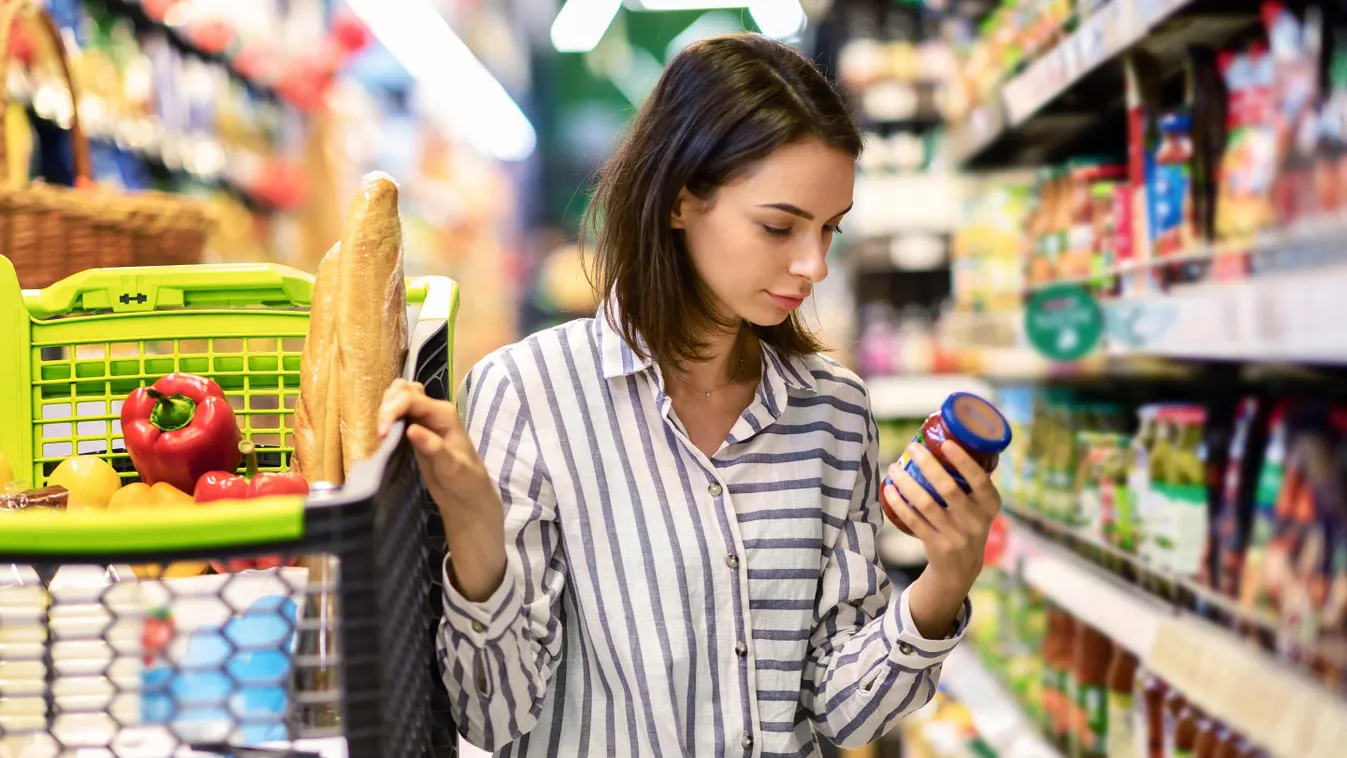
[975,423]
[1176,122]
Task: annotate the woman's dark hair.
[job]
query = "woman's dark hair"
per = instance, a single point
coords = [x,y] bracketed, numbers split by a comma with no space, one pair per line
[722,105]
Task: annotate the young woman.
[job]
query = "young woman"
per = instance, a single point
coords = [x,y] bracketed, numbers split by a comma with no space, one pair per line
[662,520]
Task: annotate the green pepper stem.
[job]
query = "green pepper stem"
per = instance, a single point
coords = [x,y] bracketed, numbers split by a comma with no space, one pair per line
[249,451]
[171,412]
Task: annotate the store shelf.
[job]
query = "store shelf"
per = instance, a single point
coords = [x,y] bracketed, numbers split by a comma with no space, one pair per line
[998,718]
[1228,677]
[1070,97]
[917,396]
[1287,316]
[135,12]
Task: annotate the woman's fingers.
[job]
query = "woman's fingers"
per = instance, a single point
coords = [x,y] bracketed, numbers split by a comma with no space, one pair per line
[916,524]
[938,478]
[920,500]
[983,491]
[407,402]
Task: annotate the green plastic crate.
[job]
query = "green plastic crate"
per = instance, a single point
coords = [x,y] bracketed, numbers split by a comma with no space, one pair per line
[83,344]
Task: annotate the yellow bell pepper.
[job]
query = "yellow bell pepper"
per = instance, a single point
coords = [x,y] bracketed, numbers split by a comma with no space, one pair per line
[141,496]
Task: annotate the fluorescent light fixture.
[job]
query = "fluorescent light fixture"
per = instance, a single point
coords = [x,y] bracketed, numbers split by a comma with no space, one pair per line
[477,106]
[779,19]
[582,23]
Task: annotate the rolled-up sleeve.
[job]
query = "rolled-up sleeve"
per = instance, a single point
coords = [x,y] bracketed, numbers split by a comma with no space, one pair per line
[868,664]
[498,655]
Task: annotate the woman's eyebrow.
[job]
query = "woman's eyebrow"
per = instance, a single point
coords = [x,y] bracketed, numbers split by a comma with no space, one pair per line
[795,210]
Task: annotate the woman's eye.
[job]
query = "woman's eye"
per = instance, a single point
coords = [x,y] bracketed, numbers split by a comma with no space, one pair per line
[777,231]
[833,229]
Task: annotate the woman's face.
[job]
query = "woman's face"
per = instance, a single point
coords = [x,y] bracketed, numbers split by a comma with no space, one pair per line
[760,243]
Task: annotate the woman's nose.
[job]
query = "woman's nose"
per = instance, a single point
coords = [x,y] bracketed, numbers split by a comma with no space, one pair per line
[811,263]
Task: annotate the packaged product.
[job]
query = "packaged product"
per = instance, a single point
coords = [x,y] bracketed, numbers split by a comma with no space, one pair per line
[1092,655]
[1122,672]
[968,421]
[1149,713]
[1260,583]
[1235,496]
[1058,705]
[1181,726]
[1248,165]
[1182,486]
[1295,48]
[1170,188]
[1088,177]
[1139,485]
[1206,105]
[1143,91]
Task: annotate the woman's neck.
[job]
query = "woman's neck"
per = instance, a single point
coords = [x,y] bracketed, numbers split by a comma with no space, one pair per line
[730,358]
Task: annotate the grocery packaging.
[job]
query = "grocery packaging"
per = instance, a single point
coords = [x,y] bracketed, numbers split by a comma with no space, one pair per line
[1170,188]
[1091,656]
[1122,671]
[967,420]
[178,429]
[1234,513]
[44,497]
[1248,166]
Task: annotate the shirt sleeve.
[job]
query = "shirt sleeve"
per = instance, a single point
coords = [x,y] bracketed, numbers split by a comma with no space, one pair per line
[498,655]
[868,664]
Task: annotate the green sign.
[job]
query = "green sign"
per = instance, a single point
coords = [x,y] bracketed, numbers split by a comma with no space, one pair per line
[1063,322]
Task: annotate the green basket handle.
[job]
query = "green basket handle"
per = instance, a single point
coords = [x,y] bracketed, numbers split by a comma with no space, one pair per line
[233,285]
[148,288]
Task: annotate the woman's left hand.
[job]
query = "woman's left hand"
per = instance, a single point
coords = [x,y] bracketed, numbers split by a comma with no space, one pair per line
[955,536]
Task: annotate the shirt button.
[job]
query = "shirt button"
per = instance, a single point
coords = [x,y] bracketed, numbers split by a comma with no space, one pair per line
[740,649]
[905,648]
[479,627]
[747,742]
[715,489]
[732,561]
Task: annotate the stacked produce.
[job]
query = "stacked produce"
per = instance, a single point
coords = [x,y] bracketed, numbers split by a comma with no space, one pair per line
[1246,500]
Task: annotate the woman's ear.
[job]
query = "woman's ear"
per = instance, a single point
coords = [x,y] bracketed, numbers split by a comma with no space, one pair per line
[683,206]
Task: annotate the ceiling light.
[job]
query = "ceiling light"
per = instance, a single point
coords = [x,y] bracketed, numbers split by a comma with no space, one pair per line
[779,19]
[477,106]
[582,23]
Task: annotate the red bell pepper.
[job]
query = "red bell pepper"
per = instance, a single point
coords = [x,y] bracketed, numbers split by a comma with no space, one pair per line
[178,429]
[226,485]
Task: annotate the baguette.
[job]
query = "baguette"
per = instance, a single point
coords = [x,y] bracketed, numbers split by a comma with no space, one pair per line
[371,313]
[318,410]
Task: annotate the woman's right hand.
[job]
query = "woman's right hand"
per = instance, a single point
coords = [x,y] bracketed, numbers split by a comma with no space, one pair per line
[468,499]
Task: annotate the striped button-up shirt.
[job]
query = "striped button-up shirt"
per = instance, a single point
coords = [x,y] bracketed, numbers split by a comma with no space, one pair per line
[660,602]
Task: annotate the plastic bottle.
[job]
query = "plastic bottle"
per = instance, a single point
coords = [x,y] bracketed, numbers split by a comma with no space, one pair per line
[1150,715]
[1091,660]
[1122,674]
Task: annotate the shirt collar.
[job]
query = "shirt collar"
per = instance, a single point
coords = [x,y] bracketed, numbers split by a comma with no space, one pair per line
[619,359]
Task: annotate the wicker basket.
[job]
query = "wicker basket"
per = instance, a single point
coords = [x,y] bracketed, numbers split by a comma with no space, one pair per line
[51,232]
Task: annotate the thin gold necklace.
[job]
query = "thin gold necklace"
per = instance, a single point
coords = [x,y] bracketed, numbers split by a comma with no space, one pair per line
[707,393]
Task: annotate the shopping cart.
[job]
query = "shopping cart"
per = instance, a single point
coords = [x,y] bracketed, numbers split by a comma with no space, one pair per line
[114,640]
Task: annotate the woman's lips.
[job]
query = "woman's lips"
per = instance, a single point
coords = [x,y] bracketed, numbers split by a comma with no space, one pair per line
[786,303]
